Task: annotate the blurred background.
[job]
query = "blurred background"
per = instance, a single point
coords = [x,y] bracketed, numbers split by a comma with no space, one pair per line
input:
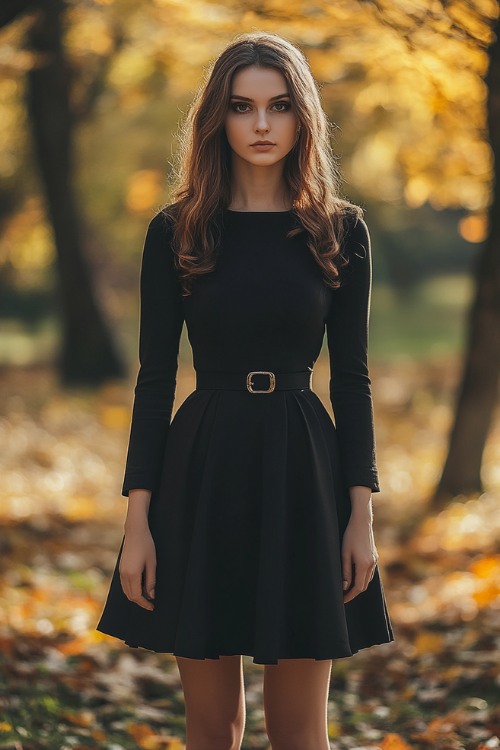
[92,94]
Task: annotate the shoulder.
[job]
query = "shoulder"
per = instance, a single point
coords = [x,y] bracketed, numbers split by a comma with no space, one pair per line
[159,252]
[356,250]
[163,221]
[160,231]
[356,240]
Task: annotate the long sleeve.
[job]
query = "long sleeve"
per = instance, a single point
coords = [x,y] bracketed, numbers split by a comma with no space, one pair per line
[161,320]
[350,385]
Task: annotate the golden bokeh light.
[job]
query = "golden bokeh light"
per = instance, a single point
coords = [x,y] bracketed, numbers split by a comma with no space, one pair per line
[473,228]
[144,190]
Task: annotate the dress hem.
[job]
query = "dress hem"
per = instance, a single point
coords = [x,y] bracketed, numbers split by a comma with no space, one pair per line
[244,652]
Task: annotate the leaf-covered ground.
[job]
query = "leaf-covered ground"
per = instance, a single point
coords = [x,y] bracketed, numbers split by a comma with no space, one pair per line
[65,686]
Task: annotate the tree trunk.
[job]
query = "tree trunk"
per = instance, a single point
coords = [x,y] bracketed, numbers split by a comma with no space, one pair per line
[478,390]
[87,352]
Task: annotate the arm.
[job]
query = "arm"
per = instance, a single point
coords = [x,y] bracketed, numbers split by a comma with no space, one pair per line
[161,320]
[160,330]
[137,566]
[350,385]
[350,395]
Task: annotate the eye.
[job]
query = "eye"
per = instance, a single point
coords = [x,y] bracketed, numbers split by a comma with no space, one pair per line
[286,106]
[238,104]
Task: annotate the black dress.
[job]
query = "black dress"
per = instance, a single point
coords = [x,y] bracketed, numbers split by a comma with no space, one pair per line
[250,492]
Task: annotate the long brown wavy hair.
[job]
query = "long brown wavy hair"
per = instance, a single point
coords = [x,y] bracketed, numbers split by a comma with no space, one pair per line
[203,170]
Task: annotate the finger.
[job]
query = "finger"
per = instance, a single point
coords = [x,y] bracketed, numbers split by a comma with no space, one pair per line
[346,573]
[370,570]
[149,580]
[357,586]
[136,594]
[367,579]
[124,580]
[144,603]
[372,574]
[352,593]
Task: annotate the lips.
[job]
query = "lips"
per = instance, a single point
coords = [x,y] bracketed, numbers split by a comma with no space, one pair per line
[262,143]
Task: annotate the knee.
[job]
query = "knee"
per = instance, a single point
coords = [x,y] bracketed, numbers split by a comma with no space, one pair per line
[290,738]
[209,737]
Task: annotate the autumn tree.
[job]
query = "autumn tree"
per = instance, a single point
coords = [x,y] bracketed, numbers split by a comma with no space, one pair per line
[475,27]
[478,391]
[88,353]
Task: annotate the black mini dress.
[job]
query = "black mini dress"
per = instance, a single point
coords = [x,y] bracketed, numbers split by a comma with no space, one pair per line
[250,491]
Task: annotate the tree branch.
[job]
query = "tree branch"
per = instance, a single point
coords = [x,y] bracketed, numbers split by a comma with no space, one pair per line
[85,106]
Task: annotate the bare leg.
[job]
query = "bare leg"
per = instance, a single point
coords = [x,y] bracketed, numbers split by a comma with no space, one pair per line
[295,704]
[214,696]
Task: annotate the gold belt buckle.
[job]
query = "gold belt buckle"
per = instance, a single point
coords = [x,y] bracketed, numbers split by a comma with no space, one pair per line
[272,381]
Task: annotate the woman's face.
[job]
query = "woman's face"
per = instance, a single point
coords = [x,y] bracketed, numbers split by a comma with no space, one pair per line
[260,110]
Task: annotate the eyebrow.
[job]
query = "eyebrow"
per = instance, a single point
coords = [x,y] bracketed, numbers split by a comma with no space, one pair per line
[246,99]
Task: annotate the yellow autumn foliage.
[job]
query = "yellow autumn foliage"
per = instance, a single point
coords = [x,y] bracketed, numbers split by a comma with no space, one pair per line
[394,742]
[408,78]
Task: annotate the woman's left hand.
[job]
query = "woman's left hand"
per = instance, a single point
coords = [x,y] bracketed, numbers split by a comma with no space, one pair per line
[359,555]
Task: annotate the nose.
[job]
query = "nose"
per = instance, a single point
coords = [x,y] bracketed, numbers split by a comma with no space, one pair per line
[262,124]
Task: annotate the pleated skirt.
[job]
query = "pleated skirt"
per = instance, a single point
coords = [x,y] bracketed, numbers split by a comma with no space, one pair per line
[247,523]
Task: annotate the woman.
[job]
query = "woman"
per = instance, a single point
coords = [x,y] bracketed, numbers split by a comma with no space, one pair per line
[249,521]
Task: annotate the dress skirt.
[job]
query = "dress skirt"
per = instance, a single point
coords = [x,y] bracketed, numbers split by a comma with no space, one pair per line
[248,522]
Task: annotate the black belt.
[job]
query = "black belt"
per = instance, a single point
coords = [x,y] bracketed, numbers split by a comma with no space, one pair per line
[256,381]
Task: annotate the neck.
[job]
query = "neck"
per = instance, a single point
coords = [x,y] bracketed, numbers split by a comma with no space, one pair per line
[258,188]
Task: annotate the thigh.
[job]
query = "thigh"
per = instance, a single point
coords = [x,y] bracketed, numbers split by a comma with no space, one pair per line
[214,690]
[296,697]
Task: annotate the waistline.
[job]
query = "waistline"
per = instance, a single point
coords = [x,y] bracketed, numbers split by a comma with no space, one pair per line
[255,381]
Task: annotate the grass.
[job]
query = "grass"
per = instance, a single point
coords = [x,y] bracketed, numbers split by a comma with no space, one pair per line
[428,321]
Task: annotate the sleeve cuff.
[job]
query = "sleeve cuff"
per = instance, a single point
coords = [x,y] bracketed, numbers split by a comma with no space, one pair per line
[365,479]
[137,482]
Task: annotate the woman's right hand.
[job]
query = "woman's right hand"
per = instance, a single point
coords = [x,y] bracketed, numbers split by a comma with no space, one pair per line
[138,566]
